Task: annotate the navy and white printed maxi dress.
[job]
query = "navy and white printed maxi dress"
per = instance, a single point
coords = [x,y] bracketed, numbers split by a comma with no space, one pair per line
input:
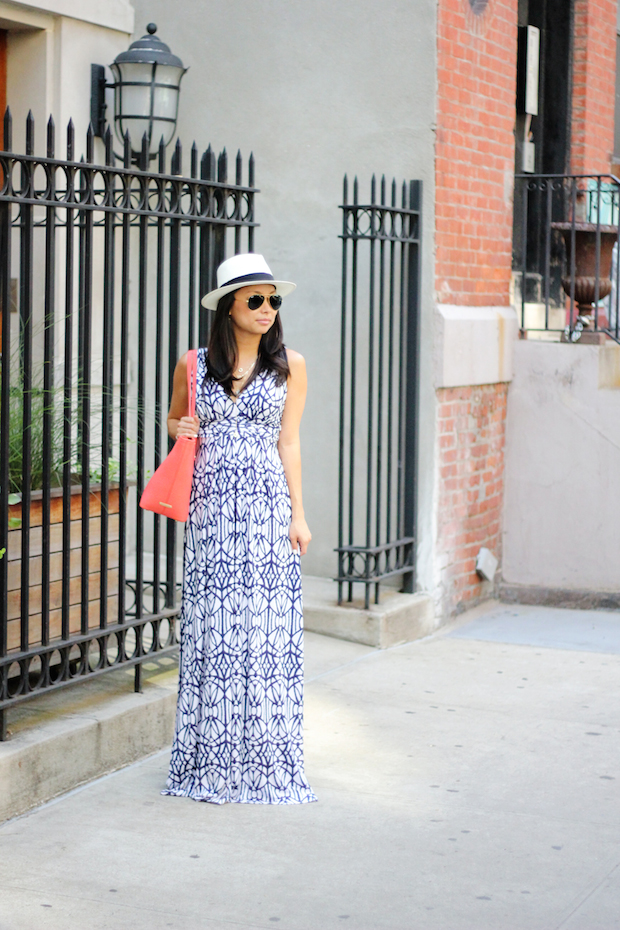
[238,735]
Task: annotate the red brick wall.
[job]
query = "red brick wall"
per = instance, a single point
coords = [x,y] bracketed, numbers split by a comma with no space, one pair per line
[594,69]
[474,168]
[474,153]
[471,469]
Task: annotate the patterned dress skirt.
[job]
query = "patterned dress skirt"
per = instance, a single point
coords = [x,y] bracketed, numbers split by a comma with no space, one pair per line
[238,735]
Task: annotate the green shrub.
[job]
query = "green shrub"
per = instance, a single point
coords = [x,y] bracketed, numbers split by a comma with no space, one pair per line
[38,400]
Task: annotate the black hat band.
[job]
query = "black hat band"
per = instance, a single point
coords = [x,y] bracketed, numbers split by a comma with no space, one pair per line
[248,278]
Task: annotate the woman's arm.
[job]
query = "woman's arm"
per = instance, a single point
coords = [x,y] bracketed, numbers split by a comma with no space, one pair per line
[290,451]
[179,424]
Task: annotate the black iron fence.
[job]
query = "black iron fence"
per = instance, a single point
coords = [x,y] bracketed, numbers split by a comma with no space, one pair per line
[379,386]
[565,257]
[101,270]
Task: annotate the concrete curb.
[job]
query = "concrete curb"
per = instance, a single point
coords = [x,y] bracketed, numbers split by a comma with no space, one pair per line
[47,760]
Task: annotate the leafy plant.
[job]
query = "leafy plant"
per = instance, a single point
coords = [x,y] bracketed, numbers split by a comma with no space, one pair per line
[38,399]
[54,401]
[114,470]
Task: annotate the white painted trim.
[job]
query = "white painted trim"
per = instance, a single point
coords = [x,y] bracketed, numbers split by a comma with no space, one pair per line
[113,14]
[27,19]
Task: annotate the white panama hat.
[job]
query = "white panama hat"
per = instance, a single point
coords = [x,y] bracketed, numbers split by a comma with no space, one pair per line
[240,271]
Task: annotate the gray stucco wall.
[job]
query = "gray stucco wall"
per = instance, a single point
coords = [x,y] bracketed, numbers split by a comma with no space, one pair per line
[561,526]
[315,88]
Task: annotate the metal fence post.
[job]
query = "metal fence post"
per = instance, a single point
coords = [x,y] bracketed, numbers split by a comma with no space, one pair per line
[385,240]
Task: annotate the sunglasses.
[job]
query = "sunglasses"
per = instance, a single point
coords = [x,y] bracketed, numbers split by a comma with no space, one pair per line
[257,300]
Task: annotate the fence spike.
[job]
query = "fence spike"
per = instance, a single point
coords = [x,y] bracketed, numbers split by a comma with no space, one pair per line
[30,133]
[393,192]
[355,190]
[206,164]
[144,153]
[404,195]
[238,168]
[109,146]
[251,170]
[345,190]
[51,137]
[373,188]
[162,155]
[382,190]
[90,144]
[177,158]
[70,141]
[222,167]
[127,150]
[194,161]
[8,130]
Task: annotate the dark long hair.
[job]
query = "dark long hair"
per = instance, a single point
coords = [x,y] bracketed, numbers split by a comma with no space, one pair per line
[222,352]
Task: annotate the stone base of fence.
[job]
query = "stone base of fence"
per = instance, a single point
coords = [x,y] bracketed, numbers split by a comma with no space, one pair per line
[398,618]
[69,737]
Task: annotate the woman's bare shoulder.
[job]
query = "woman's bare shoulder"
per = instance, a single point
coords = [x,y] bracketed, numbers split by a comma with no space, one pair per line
[296,361]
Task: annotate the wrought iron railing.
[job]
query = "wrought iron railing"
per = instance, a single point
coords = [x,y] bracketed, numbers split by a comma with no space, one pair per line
[565,257]
[101,271]
[379,387]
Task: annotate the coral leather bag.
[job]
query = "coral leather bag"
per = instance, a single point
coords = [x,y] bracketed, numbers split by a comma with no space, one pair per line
[169,489]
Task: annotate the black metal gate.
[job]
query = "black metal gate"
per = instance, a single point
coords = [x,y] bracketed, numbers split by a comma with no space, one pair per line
[379,386]
[101,270]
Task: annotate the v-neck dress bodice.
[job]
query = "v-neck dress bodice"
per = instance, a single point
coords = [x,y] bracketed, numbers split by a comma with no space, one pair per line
[238,735]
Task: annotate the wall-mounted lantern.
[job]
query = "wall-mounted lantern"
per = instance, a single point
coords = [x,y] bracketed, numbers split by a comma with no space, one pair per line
[147,79]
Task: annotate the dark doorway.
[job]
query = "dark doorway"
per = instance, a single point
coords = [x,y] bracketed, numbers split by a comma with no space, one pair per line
[549,130]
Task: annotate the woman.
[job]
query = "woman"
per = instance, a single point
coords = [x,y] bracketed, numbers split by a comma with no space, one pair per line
[239,723]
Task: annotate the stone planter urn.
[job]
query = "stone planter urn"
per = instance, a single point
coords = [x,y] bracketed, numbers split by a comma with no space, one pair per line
[585,264]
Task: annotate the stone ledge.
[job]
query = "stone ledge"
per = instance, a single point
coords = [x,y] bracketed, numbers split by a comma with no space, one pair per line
[558,597]
[64,739]
[398,618]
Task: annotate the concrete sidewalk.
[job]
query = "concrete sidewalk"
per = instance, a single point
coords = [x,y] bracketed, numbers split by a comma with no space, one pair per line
[467,781]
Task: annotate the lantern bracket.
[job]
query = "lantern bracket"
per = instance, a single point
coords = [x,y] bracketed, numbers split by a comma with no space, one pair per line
[98,86]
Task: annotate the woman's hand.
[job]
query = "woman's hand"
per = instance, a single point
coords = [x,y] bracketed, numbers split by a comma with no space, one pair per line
[188,426]
[300,535]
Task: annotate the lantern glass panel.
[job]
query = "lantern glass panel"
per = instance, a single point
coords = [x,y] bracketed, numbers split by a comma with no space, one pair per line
[169,74]
[167,97]
[136,129]
[132,100]
[160,128]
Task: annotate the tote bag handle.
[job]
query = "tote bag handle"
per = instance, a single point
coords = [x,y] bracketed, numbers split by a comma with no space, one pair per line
[192,364]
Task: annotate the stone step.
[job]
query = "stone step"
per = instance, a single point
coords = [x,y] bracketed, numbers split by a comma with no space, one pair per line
[66,738]
[397,618]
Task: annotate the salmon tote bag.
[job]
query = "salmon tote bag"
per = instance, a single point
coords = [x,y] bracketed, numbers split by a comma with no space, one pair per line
[169,489]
